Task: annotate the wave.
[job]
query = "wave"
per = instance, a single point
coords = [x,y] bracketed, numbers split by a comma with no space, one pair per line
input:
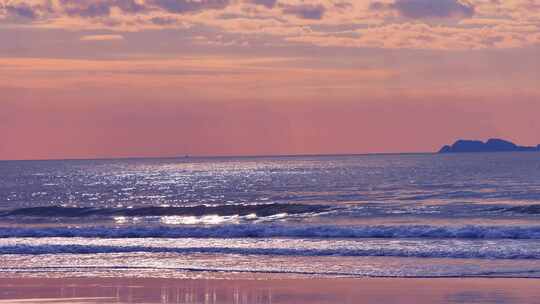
[528,273]
[441,252]
[274,230]
[261,210]
[528,209]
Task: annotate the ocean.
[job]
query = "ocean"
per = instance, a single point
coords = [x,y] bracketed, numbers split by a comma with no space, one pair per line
[402,215]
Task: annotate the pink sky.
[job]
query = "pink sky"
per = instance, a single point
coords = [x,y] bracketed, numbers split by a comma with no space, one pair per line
[119,78]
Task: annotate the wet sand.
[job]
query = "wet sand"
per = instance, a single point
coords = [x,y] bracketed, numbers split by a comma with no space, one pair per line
[268,290]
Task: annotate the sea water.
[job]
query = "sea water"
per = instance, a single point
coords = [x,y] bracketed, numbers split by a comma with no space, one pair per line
[415,215]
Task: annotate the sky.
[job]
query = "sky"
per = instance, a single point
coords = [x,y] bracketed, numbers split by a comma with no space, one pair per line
[149,78]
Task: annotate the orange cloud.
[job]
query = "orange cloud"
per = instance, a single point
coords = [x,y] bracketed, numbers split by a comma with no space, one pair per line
[102,38]
[193,77]
[394,24]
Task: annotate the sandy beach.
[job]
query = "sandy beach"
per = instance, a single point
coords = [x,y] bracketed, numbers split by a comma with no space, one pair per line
[263,290]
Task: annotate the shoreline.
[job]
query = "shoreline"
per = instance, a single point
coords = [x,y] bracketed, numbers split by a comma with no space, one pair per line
[224,274]
[266,289]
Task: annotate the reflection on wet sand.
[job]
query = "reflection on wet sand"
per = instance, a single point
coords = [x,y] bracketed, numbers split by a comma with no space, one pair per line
[268,291]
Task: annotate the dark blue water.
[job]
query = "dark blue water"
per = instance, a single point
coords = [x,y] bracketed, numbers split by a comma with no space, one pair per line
[377,215]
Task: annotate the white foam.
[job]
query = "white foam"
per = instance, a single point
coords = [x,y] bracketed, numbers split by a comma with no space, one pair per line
[373,250]
[274,230]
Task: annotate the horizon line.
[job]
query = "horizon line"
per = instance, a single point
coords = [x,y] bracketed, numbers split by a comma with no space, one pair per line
[189,156]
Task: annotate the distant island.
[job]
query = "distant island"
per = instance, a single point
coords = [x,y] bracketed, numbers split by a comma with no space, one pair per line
[492,145]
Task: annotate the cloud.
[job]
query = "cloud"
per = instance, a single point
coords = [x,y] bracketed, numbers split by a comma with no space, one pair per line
[102,38]
[187,6]
[343,5]
[163,20]
[86,8]
[266,3]
[130,6]
[394,24]
[420,9]
[21,10]
[305,11]
[100,8]
[105,8]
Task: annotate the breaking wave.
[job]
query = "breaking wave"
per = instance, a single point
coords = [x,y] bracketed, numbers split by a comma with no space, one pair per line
[260,210]
[446,252]
[528,209]
[287,231]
